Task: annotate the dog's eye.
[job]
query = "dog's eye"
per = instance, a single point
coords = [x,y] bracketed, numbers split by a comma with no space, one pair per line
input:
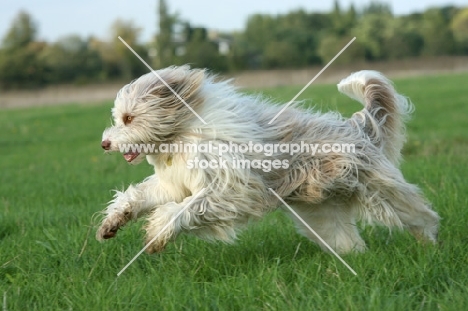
[127,119]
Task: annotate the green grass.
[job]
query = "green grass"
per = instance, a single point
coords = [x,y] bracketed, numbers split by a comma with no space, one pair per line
[54,178]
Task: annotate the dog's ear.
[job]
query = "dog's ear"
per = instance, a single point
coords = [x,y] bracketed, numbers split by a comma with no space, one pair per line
[182,81]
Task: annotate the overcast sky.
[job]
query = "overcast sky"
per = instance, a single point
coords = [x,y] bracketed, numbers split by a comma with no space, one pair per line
[57,18]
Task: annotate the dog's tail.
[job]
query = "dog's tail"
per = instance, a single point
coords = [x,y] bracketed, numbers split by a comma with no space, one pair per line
[385,111]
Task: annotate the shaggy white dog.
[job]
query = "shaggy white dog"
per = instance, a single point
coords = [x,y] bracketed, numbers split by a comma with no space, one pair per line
[331,191]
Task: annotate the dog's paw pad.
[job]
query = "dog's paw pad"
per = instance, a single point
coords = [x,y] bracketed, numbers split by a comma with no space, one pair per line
[110,233]
[109,229]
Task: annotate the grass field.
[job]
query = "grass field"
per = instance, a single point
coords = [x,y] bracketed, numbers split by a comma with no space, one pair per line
[54,178]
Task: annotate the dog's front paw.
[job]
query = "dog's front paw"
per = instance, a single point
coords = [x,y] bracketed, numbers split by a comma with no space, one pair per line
[112,223]
[108,229]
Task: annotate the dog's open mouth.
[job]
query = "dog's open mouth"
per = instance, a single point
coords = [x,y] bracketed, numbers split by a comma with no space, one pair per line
[130,156]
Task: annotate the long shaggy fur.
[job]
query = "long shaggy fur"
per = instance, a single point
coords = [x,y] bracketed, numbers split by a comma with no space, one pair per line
[330,191]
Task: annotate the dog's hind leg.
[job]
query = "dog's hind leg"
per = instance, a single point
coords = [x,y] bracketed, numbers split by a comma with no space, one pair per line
[333,221]
[392,201]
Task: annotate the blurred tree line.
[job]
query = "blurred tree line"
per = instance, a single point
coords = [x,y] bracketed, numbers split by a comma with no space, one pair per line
[292,40]
[26,62]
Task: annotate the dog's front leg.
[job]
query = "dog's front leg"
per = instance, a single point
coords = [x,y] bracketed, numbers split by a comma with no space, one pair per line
[167,221]
[208,216]
[136,201]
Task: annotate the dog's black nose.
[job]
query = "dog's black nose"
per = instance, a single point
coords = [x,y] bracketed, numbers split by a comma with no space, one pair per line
[105,144]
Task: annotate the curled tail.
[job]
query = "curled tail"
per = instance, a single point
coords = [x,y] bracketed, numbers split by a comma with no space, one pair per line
[385,111]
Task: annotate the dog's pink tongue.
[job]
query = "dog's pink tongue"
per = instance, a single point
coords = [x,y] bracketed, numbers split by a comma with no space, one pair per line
[130,156]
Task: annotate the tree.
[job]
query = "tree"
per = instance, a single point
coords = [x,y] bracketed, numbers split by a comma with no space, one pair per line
[259,32]
[332,44]
[71,59]
[371,31]
[198,49]
[438,38]
[302,32]
[377,7]
[22,32]
[242,56]
[22,69]
[342,23]
[281,54]
[164,39]
[130,65]
[19,64]
[288,40]
[459,28]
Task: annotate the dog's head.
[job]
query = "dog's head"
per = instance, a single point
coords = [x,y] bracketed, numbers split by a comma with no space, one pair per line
[153,109]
